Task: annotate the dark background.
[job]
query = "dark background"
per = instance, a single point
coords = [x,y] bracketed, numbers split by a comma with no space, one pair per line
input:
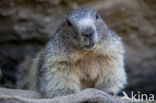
[26,25]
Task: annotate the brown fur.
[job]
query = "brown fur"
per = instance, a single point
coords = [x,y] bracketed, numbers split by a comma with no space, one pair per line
[63,67]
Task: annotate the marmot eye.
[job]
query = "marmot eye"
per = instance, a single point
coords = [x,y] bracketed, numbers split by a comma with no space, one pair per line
[69,23]
[97,16]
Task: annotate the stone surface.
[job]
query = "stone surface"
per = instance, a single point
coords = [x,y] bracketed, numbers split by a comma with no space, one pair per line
[25,26]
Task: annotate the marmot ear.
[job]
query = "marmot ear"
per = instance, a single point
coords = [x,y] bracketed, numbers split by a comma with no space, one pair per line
[69,23]
[97,16]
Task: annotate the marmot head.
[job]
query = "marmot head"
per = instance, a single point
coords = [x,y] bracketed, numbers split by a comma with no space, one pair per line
[86,26]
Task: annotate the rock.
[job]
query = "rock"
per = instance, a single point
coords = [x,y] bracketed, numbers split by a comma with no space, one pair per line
[25,26]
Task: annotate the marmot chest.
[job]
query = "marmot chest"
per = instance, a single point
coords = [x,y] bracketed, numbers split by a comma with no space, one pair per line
[89,69]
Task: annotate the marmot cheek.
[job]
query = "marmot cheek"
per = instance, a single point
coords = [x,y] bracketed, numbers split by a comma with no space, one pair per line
[95,39]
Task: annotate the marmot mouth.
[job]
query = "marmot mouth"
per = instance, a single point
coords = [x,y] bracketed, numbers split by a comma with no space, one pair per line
[89,46]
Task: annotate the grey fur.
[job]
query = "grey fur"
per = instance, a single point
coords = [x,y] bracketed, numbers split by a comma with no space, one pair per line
[68,63]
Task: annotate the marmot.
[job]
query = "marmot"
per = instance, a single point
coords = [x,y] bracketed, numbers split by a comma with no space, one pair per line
[83,53]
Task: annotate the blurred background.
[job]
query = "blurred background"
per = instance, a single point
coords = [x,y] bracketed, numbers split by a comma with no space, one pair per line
[26,25]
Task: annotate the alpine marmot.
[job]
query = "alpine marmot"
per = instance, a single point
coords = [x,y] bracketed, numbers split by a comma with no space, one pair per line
[83,53]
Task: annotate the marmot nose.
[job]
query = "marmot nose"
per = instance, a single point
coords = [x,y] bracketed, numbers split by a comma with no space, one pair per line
[89,32]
